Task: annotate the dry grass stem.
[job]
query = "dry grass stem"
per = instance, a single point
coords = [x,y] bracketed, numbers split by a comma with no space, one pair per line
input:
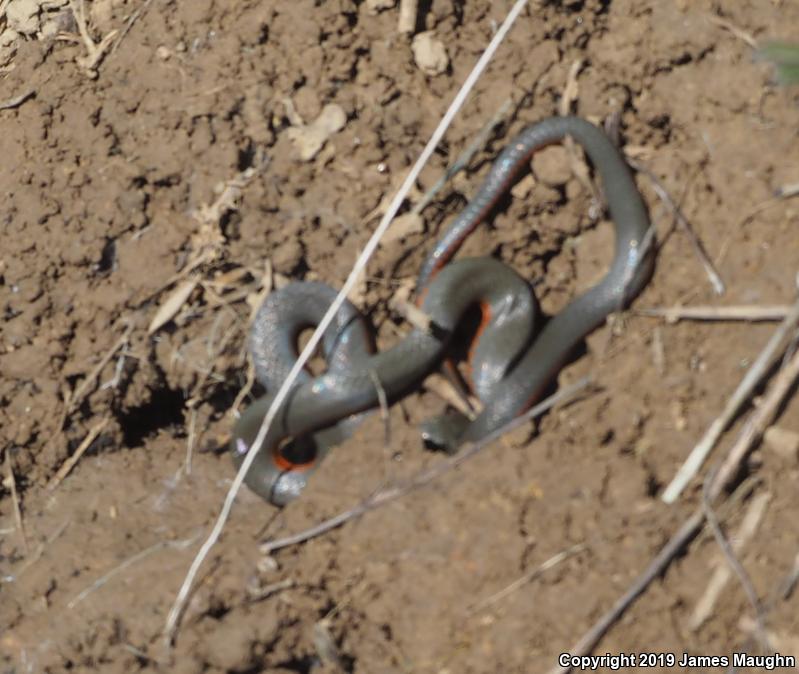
[450,394]
[77,397]
[730,554]
[191,441]
[710,313]
[732,28]
[787,191]
[383,402]
[245,390]
[16,101]
[658,351]
[102,580]
[230,192]
[699,249]
[70,463]
[37,554]
[527,577]
[413,314]
[722,574]
[781,642]
[267,283]
[464,158]
[788,585]
[134,17]
[408,11]
[11,484]
[749,217]
[578,166]
[325,645]
[95,51]
[760,419]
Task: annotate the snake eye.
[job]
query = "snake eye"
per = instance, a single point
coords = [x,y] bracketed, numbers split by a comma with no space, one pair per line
[241,447]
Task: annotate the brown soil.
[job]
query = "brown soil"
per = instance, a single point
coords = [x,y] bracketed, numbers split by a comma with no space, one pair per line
[103,186]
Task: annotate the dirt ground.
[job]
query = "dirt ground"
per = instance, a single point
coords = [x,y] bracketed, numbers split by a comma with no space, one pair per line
[169,178]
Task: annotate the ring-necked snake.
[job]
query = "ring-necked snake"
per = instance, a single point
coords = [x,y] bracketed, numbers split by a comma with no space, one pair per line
[511,367]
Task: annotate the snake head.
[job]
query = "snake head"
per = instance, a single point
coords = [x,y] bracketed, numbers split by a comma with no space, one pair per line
[444,432]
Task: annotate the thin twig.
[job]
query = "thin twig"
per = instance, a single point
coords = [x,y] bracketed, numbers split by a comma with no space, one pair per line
[414,315]
[776,312]
[77,397]
[117,376]
[531,575]
[696,243]
[96,50]
[788,583]
[760,419]
[787,191]
[464,158]
[425,477]
[744,391]
[407,16]
[578,167]
[382,399]
[245,390]
[12,485]
[69,464]
[749,217]
[16,101]
[191,440]
[138,12]
[722,573]
[452,393]
[658,351]
[37,554]
[737,32]
[358,268]
[102,580]
[734,563]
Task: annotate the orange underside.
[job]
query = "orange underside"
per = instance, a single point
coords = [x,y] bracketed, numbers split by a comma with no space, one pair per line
[285,464]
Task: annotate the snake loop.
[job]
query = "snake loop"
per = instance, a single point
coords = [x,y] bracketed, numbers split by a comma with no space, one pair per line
[513,367]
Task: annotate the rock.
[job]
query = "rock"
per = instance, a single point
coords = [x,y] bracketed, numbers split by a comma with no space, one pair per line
[23,16]
[782,441]
[430,54]
[551,165]
[310,138]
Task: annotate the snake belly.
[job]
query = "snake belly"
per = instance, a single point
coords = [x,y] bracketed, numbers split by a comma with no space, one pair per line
[520,368]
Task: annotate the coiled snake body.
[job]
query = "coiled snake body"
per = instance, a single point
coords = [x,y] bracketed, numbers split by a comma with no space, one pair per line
[511,366]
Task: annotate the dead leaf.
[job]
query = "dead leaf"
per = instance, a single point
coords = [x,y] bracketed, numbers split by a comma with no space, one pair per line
[172,305]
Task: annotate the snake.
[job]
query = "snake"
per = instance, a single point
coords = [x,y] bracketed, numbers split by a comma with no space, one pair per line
[513,361]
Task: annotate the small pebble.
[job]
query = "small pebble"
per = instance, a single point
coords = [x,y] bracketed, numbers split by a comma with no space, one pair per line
[430,54]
